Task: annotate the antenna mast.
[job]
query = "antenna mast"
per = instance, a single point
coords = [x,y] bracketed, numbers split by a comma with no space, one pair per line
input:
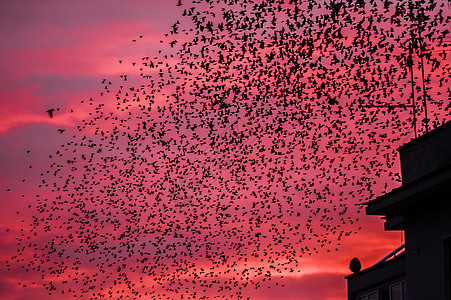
[425,120]
[410,64]
[420,44]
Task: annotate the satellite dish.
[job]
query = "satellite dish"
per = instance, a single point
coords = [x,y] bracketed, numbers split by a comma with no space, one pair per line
[355,265]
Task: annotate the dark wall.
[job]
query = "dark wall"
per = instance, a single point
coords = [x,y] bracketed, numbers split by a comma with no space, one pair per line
[426,229]
[426,154]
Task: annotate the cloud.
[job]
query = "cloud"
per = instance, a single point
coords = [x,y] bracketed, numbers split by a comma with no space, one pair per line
[318,286]
[56,52]
[54,55]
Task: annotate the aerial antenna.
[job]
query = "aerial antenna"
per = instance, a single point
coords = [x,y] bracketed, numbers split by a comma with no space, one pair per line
[417,42]
[421,46]
[410,65]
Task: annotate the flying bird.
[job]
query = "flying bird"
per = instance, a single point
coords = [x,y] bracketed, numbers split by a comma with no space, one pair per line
[50,112]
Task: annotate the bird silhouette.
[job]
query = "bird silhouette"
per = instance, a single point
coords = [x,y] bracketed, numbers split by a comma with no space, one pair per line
[50,112]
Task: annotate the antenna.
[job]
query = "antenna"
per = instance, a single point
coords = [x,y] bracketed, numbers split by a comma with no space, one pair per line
[425,120]
[410,65]
[417,43]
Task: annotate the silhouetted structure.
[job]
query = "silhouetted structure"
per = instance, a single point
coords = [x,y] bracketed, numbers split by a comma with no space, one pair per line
[421,207]
[355,265]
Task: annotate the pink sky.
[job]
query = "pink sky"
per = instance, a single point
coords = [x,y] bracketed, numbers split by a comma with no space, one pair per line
[55,54]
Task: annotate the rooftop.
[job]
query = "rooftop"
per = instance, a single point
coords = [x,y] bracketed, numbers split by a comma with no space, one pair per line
[426,173]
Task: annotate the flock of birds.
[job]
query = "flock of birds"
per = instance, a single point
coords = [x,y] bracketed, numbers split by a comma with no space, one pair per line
[247,143]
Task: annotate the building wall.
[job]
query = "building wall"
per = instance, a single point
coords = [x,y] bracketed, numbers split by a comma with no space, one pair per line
[426,230]
[426,154]
[376,277]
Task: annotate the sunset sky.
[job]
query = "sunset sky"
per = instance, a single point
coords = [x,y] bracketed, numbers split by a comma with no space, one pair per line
[59,55]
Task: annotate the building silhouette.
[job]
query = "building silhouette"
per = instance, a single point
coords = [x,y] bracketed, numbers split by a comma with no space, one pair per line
[421,207]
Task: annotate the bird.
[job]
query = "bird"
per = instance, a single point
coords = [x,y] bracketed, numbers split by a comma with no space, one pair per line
[50,112]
